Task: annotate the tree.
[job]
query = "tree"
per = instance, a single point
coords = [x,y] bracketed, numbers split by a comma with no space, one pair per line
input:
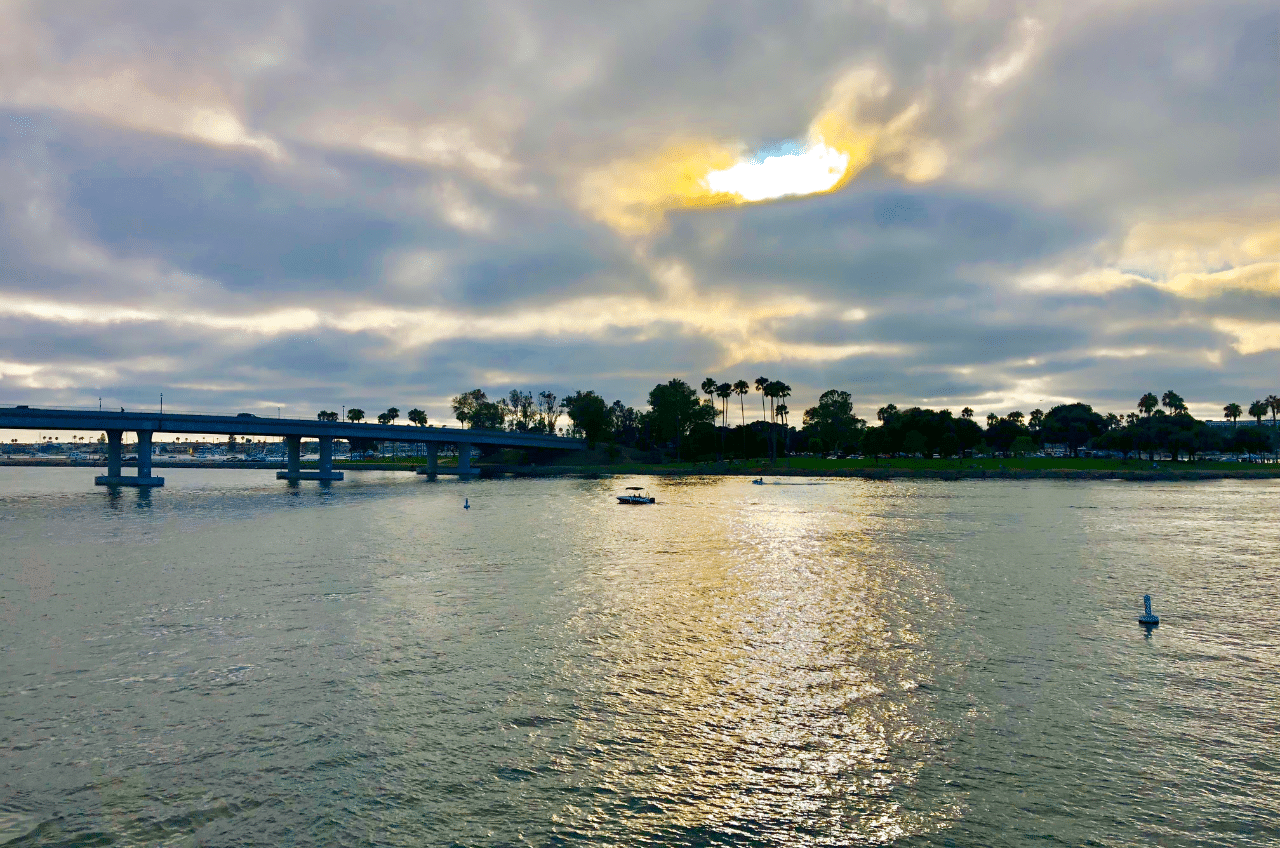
[1273,403]
[355,415]
[1036,419]
[1232,412]
[589,413]
[464,405]
[389,417]
[1257,409]
[724,391]
[523,410]
[1072,424]
[741,388]
[1022,446]
[676,410]
[1132,418]
[1016,417]
[1113,421]
[1147,404]
[709,387]
[992,420]
[1173,402]
[886,412]
[326,415]
[761,382]
[417,416]
[549,412]
[487,415]
[914,443]
[967,412]
[833,420]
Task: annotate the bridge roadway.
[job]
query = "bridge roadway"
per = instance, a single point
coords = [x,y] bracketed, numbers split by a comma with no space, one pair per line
[292,430]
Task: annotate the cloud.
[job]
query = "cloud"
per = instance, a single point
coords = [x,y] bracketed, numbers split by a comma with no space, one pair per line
[951,202]
[634,196]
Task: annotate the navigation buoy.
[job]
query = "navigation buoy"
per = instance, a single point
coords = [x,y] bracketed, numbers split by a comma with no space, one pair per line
[466,504]
[1148,619]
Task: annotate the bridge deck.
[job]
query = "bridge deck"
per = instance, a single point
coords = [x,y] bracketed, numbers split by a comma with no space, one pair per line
[31,418]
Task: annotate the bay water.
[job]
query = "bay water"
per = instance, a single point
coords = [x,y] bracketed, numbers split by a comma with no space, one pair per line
[233,660]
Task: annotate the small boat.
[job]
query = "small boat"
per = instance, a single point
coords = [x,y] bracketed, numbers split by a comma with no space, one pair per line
[759,481]
[636,495]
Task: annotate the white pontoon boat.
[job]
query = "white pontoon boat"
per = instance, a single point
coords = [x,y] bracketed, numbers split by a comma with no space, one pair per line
[636,495]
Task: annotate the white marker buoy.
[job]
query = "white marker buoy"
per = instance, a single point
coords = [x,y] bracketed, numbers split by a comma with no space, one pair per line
[1148,619]
[466,504]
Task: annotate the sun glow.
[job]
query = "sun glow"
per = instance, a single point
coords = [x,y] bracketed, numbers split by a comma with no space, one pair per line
[633,195]
[815,170]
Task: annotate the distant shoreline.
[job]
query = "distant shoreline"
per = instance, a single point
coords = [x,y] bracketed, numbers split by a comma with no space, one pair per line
[878,472]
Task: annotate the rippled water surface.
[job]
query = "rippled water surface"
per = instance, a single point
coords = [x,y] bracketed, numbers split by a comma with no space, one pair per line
[233,661]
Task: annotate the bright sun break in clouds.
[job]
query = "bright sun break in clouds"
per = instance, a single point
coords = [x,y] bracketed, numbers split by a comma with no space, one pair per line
[815,169]
[633,195]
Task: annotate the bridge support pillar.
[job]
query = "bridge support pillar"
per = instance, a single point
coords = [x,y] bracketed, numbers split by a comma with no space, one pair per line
[294,467]
[114,477]
[464,459]
[113,452]
[433,461]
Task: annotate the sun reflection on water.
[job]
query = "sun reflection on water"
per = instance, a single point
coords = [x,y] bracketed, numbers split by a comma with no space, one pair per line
[762,672]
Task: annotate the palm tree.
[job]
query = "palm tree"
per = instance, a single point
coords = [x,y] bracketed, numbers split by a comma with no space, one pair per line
[1257,409]
[1016,417]
[1172,401]
[724,391]
[1147,404]
[782,413]
[740,389]
[1233,412]
[992,419]
[417,416]
[709,386]
[1036,419]
[1273,403]
[967,412]
[783,390]
[886,412]
[761,383]
[354,415]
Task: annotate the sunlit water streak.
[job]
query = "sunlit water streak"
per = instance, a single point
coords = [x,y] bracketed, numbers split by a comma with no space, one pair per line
[234,661]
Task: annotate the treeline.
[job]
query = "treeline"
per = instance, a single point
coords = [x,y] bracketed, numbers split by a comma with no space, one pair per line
[677,420]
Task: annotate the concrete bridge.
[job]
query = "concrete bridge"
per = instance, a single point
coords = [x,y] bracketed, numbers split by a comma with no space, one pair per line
[292,430]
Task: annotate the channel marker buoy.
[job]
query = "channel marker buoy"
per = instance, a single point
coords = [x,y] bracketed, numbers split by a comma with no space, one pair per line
[1148,619]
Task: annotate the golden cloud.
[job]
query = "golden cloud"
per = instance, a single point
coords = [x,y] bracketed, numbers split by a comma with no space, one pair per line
[634,195]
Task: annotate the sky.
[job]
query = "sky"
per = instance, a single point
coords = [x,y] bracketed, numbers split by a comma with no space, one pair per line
[252,206]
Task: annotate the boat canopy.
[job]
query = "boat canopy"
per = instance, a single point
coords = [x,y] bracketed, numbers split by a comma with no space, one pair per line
[635,488]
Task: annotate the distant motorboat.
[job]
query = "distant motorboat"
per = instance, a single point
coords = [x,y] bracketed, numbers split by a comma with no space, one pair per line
[636,495]
[759,481]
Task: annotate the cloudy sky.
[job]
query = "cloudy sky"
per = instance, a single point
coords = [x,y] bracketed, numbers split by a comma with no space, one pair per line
[246,205]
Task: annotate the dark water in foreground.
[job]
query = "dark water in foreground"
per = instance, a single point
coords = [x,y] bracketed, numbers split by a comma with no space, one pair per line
[230,661]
